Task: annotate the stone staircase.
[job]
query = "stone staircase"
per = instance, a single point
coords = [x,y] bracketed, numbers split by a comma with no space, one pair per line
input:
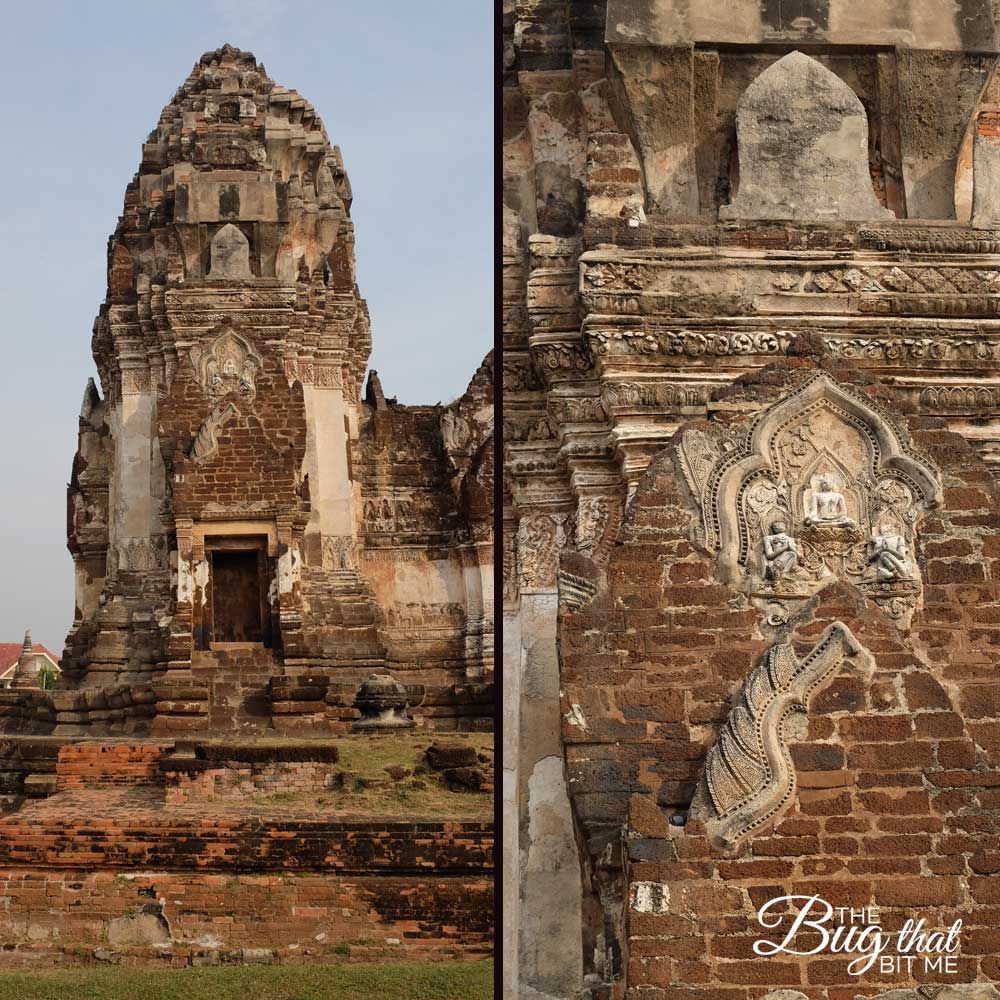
[236,679]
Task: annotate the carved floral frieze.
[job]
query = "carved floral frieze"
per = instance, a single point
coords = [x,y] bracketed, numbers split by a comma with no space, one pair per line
[914,349]
[616,276]
[885,348]
[561,359]
[689,343]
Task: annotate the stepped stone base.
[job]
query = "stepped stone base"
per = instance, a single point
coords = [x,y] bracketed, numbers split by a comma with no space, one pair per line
[157,851]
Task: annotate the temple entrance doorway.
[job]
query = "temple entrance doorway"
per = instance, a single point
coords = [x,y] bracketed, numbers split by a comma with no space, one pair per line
[239,582]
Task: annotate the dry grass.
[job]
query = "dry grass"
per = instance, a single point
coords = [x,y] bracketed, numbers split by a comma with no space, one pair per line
[367,757]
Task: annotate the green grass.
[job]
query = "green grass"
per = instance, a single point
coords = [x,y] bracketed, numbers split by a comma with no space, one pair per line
[429,981]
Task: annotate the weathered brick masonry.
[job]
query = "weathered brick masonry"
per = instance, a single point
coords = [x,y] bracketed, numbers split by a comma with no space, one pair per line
[170,853]
[895,801]
[241,511]
[751,389]
[175,918]
[254,535]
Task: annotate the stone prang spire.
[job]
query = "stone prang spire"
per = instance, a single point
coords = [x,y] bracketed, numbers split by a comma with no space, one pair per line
[218,496]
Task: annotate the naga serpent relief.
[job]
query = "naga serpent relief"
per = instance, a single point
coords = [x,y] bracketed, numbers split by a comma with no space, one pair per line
[749,777]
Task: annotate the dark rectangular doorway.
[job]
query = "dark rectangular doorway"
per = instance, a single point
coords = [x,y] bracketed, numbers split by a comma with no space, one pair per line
[236,596]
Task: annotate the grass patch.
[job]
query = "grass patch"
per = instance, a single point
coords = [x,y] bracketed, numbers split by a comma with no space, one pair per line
[368,756]
[427,981]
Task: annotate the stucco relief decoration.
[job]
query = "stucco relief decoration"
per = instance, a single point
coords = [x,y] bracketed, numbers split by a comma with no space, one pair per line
[340,552]
[139,554]
[621,395]
[592,518]
[328,376]
[749,777]
[561,358]
[387,514]
[227,366]
[823,485]
[511,571]
[135,381]
[540,539]
[206,441]
[961,397]
[456,432]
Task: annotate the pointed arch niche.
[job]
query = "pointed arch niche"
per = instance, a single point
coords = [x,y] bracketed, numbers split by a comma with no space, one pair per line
[843,482]
[801,108]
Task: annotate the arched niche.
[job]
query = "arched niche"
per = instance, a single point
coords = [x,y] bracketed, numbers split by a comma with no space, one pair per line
[802,144]
[230,254]
[822,475]
[228,364]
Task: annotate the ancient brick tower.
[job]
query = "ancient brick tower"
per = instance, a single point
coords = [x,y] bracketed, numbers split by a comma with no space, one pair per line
[751,384]
[239,517]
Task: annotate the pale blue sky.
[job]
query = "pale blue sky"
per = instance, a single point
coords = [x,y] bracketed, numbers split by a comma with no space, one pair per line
[405,90]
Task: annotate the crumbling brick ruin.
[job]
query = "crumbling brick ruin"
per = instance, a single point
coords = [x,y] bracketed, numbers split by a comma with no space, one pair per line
[234,499]
[752,527]
[283,590]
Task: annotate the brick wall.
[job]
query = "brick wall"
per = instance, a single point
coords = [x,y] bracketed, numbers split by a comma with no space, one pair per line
[261,448]
[62,916]
[896,802]
[83,765]
[90,828]
[246,780]
[220,880]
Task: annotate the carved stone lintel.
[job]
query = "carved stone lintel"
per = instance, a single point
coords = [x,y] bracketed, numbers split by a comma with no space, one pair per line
[749,777]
